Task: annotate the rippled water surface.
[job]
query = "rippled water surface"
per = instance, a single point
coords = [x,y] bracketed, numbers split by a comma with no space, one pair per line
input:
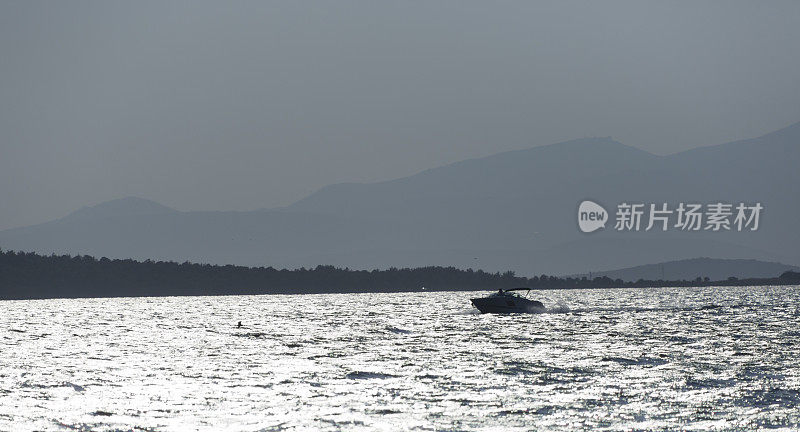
[616,359]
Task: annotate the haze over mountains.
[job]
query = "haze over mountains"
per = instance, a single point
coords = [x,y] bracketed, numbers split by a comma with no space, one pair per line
[514,210]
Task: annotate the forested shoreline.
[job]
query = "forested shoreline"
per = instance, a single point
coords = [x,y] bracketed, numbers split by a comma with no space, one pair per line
[27,275]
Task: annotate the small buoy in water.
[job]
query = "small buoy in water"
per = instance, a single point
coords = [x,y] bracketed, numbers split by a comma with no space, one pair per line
[239,325]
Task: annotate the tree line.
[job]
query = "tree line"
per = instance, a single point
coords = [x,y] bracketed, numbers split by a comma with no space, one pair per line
[27,275]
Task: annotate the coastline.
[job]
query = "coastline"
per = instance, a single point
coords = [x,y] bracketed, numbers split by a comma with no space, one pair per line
[28,276]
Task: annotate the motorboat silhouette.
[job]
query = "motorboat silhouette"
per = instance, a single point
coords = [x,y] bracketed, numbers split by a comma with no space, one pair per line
[508,301]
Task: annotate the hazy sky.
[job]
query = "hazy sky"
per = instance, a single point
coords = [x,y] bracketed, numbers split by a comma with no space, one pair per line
[242,105]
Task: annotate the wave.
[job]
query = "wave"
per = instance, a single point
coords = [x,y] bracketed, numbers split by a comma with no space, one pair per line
[368,375]
[392,329]
[75,387]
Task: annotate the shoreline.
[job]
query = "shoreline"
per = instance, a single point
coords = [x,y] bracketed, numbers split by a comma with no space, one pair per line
[31,276]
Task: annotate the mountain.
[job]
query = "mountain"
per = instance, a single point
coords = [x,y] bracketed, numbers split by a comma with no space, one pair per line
[690,269]
[496,202]
[130,206]
[273,238]
[515,210]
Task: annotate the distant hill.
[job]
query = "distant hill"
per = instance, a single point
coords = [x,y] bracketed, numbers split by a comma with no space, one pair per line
[689,269]
[510,211]
[130,206]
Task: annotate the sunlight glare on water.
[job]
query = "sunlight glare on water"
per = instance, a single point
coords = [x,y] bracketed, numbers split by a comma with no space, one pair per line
[612,359]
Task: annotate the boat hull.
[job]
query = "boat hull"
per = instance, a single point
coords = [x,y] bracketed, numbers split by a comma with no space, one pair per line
[507,304]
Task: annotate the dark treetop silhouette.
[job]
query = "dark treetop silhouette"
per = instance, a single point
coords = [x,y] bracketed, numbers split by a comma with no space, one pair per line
[32,276]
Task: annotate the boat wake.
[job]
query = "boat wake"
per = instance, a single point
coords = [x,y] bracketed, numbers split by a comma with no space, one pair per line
[559,309]
[563,309]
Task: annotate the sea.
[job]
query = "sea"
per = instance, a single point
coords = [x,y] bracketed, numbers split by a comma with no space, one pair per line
[651,359]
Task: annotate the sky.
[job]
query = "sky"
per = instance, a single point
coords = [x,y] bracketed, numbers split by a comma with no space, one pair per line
[243,105]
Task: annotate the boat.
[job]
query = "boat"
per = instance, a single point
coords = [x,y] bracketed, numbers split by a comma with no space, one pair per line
[508,301]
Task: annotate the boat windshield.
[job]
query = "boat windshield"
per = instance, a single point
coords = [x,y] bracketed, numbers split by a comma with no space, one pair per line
[512,292]
[506,294]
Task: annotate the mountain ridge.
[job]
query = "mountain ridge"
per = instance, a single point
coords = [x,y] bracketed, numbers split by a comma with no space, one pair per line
[513,210]
[130,205]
